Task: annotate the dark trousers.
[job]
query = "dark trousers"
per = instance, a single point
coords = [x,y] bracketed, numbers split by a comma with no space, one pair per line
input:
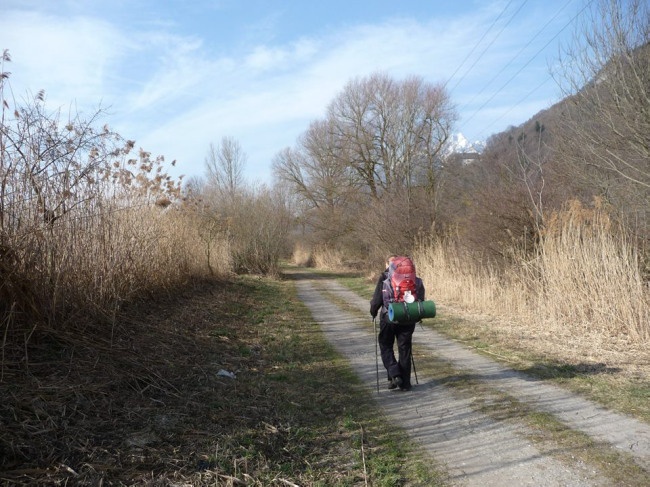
[389,333]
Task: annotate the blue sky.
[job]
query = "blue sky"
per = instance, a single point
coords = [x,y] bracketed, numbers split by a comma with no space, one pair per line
[177,75]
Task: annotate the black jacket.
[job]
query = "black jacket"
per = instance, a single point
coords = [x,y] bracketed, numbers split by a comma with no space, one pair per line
[377,300]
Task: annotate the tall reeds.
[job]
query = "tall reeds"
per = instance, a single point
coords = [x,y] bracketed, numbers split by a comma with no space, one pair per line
[85,225]
[591,276]
[583,283]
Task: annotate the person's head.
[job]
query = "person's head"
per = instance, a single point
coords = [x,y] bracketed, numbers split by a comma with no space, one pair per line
[390,259]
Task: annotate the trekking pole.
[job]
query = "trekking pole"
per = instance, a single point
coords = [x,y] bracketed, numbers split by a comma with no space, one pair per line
[414,371]
[413,360]
[374,324]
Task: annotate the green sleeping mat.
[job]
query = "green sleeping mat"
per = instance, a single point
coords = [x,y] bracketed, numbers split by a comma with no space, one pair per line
[410,312]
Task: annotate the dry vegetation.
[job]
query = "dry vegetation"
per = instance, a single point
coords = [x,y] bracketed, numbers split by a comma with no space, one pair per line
[547,233]
[85,226]
[551,234]
[547,236]
[89,224]
[322,257]
[581,298]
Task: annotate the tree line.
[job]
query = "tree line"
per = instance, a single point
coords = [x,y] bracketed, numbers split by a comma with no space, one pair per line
[372,176]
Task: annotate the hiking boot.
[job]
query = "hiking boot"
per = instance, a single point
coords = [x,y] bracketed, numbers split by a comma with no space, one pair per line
[391,385]
[397,382]
[405,387]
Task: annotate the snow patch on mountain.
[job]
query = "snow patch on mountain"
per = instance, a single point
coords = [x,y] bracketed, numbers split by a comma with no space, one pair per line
[458,144]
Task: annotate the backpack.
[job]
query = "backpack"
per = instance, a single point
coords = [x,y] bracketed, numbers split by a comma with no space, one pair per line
[401,280]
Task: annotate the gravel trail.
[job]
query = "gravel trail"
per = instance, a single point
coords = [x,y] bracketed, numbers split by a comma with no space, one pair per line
[476,449]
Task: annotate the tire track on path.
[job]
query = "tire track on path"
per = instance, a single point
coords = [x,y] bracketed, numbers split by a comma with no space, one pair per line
[476,450]
[624,433]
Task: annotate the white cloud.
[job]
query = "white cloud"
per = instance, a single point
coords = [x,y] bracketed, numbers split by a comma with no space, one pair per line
[266,58]
[271,111]
[175,96]
[68,58]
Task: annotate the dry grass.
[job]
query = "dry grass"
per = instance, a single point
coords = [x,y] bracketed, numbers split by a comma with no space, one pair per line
[86,226]
[581,299]
[324,259]
[146,405]
[258,225]
[591,275]
[301,256]
[328,259]
[74,276]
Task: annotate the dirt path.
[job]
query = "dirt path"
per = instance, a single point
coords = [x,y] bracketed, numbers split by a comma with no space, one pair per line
[477,450]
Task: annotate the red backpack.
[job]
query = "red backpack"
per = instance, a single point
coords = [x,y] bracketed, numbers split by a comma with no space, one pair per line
[401,276]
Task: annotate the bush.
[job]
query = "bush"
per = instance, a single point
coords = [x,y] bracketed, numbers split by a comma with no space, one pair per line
[254,222]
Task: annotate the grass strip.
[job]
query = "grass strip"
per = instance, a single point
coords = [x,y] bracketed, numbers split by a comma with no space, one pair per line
[154,402]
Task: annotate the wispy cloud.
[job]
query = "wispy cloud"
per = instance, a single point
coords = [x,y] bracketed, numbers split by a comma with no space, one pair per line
[175,93]
[175,71]
[272,93]
[278,90]
[68,57]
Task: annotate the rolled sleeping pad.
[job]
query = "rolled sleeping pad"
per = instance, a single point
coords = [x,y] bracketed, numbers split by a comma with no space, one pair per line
[409,312]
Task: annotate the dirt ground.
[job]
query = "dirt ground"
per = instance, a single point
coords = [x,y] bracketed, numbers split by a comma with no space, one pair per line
[476,449]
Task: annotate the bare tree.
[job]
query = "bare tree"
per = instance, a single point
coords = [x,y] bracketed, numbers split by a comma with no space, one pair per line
[391,133]
[606,118]
[225,166]
[325,186]
[607,79]
[376,155]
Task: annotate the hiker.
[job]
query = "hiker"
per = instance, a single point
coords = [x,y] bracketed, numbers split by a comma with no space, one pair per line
[398,370]
[377,299]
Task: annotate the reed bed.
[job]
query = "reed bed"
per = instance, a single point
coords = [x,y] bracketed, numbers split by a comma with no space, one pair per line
[87,224]
[591,277]
[581,293]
